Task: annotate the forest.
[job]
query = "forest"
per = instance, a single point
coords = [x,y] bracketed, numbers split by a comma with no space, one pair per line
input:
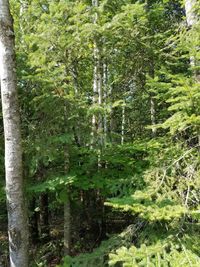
[100,133]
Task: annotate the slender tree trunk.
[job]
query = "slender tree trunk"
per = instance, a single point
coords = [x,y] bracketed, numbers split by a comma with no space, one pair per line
[111,124]
[190,12]
[67,212]
[152,100]
[123,123]
[67,224]
[100,101]
[97,121]
[23,9]
[153,115]
[67,200]
[192,19]
[100,117]
[74,74]
[97,83]
[17,213]
[34,221]
[44,216]
[105,87]
[95,96]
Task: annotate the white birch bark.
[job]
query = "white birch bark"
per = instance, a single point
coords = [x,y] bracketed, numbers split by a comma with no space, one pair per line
[100,101]
[17,216]
[190,12]
[94,100]
[97,83]
[97,121]
[123,123]
[105,83]
[192,19]
[152,101]
[22,11]
[75,81]
[153,116]
[111,124]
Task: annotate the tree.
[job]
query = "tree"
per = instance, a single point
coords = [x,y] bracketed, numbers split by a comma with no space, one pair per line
[17,217]
[192,20]
[110,110]
[190,12]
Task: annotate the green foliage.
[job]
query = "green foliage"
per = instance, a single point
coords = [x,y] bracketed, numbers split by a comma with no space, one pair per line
[184,103]
[160,254]
[148,209]
[99,257]
[145,51]
[170,199]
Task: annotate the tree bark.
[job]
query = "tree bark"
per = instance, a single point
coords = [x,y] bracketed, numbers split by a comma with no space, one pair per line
[67,200]
[67,224]
[190,12]
[67,211]
[192,19]
[105,83]
[17,213]
[44,216]
[97,85]
[153,115]
[152,100]
[34,222]
[123,123]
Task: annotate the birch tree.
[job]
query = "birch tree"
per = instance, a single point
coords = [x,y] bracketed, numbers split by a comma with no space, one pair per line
[123,122]
[17,217]
[190,13]
[192,19]
[97,81]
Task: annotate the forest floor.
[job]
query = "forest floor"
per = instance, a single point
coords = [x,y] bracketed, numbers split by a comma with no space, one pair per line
[3,246]
[48,251]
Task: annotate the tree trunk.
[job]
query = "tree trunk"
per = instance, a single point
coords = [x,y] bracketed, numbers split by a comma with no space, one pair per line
[123,123]
[152,100]
[153,115]
[67,224]
[67,200]
[34,221]
[190,12]
[105,83]
[192,19]
[97,85]
[67,212]
[22,11]
[111,124]
[44,216]
[17,213]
